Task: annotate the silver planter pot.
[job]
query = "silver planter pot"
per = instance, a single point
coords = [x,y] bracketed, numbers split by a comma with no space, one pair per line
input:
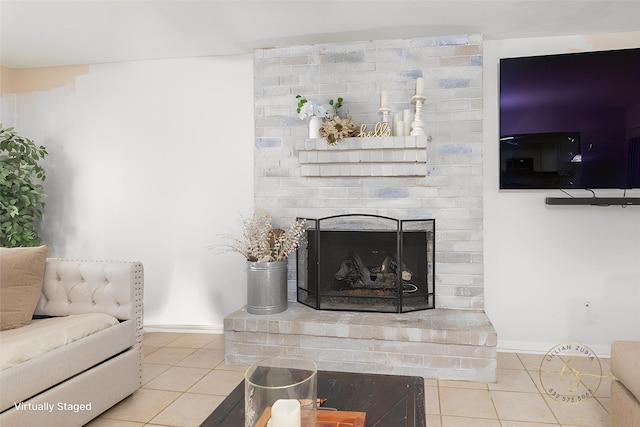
[266,287]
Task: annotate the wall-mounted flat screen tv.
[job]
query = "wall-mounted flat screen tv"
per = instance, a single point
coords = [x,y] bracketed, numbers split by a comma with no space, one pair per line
[570,121]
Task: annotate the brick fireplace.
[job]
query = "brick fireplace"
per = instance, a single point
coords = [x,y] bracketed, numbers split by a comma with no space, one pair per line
[437,176]
[398,177]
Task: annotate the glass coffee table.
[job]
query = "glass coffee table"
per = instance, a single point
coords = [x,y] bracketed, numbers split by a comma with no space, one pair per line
[388,400]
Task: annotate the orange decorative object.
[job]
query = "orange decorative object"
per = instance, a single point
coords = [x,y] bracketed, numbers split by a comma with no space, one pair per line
[340,419]
[326,418]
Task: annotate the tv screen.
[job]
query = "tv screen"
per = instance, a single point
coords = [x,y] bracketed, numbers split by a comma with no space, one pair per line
[570,121]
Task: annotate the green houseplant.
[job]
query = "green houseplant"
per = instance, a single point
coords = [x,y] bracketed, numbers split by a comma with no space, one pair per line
[21,192]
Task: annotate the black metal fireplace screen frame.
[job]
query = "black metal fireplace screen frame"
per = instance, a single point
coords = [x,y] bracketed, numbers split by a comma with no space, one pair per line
[414,289]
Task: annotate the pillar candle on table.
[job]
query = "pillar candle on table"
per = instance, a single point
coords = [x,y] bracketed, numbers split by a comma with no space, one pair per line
[286,413]
[400,128]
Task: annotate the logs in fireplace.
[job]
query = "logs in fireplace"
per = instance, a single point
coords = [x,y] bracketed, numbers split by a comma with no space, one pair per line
[367,263]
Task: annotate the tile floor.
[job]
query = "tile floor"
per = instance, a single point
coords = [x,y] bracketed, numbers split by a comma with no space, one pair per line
[185,378]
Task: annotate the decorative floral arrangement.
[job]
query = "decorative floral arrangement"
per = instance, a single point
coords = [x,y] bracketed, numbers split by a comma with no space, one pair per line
[260,242]
[308,108]
[337,128]
[334,127]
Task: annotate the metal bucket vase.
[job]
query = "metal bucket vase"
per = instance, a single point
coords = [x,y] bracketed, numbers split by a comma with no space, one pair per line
[266,287]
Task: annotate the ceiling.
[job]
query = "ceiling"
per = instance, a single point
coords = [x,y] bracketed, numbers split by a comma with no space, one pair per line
[52,32]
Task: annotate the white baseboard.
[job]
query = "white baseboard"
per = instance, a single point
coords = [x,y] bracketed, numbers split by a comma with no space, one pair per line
[186,329]
[603,351]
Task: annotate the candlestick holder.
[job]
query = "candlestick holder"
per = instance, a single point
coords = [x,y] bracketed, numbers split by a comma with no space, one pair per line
[417,126]
[385,114]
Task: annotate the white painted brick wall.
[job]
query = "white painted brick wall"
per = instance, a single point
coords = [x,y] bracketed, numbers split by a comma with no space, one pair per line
[447,181]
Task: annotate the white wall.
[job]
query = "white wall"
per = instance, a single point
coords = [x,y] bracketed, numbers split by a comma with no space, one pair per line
[151,161]
[7,110]
[555,274]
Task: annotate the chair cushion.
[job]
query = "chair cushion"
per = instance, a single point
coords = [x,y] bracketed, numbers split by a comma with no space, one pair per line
[21,278]
[44,335]
[625,364]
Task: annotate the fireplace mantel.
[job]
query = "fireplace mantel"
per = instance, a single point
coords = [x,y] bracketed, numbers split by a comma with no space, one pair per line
[383,156]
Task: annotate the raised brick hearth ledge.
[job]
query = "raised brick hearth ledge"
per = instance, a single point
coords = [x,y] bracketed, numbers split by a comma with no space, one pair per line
[439,343]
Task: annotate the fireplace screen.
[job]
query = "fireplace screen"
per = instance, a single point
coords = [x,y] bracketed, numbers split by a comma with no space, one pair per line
[367,263]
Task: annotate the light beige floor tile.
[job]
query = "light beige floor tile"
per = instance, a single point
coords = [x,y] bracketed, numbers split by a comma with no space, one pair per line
[514,380]
[218,382]
[189,410]
[432,400]
[586,364]
[430,382]
[604,390]
[463,384]
[466,403]
[534,374]
[434,421]
[103,422]
[177,378]
[569,379]
[192,341]
[468,422]
[509,361]
[159,339]
[152,370]
[147,349]
[203,358]
[168,355]
[605,402]
[517,406]
[217,343]
[238,368]
[142,405]
[526,424]
[590,371]
[531,361]
[588,413]
[605,362]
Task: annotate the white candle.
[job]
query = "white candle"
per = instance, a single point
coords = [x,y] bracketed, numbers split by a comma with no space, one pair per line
[286,413]
[400,129]
[384,99]
[396,117]
[406,118]
[419,86]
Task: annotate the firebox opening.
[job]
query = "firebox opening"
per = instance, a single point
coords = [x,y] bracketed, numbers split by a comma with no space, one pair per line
[386,266]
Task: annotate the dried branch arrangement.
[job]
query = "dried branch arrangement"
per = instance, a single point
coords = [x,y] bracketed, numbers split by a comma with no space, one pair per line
[260,242]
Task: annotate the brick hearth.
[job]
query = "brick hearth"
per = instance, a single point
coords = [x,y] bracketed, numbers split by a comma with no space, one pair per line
[440,343]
